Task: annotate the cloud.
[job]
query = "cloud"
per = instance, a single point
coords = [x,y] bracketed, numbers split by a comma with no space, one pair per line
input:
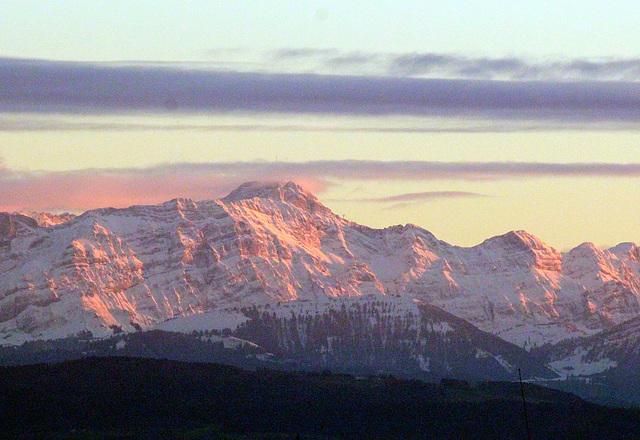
[445,65]
[78,191]
[87,189]
[416,197]
[422,196]
[429,170]
[297,54]
[37,122]
[64,87]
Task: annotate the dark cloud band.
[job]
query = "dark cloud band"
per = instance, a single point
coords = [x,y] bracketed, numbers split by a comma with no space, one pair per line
[46,86]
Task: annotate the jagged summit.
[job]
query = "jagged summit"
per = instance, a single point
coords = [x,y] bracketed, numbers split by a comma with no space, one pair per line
[10,225]
[520,239]
[268,190]
[587,247]
[46,219]
[270,243]
[586,251]
[626,250]
[181,204]
[289,193]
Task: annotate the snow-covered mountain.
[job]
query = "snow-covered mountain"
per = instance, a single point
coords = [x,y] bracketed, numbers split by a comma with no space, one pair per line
[616,349]
[109,270]
[46,219]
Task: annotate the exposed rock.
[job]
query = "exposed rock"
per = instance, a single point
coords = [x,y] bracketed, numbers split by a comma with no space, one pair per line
[264,244]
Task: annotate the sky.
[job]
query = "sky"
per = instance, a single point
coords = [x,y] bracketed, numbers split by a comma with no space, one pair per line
[467,118]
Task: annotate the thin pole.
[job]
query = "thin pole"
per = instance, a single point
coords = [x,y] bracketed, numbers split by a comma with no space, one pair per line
[524,406]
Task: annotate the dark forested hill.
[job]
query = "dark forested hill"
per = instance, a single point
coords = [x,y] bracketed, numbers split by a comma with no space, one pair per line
[122,398]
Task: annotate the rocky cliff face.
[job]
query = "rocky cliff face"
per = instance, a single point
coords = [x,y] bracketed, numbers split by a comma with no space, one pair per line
[113,269]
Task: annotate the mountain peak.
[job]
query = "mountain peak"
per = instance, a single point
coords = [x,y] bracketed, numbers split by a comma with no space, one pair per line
[266,190]
[522,240]
[46,219]
[11,223]
[587,248]
[626,251]
[290,193]
[537,252]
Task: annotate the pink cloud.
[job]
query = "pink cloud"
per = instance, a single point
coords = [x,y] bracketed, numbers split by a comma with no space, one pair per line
[87,189]
[90,189]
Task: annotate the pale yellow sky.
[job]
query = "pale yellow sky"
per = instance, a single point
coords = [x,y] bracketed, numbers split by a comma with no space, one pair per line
[562,211]
[203,139]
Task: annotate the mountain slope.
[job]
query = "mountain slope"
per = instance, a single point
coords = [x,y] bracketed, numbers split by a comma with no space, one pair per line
[615,348]
[122,269]
[370,334]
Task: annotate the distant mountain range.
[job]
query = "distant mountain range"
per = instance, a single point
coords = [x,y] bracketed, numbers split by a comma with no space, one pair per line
[270,264]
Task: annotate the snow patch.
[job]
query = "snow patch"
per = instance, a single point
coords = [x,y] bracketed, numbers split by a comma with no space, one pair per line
[214,320]
[576,365]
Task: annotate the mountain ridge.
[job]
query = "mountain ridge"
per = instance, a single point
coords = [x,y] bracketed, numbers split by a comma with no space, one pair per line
[267,243]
